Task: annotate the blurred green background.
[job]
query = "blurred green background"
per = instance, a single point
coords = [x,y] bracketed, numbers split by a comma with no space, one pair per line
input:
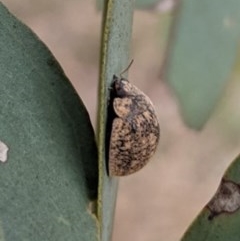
[159,202]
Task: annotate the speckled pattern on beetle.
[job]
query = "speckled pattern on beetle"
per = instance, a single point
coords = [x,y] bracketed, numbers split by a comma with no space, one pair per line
[132,129]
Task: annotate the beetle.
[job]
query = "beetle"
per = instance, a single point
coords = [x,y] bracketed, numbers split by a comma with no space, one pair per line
[132,128]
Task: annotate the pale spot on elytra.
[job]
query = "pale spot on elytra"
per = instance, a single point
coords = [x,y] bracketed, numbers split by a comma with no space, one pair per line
[3,151]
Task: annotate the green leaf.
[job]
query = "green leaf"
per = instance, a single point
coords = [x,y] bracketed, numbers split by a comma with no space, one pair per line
[139,4]
[224,225]
[50,176]
[226,116]
[202,54]
[116,36]
[145,4]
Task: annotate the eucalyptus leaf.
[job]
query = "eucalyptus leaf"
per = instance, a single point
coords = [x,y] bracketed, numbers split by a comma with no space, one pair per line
[224,225]
[50,177]
[202,54]
[139,4]
[116,36]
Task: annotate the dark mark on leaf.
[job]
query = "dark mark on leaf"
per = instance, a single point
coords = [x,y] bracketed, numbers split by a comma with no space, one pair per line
[226,199]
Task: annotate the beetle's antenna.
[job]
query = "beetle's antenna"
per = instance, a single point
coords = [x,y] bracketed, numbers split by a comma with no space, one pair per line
[128,67]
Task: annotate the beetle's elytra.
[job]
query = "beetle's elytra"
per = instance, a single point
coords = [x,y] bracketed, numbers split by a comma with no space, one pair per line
[132,129]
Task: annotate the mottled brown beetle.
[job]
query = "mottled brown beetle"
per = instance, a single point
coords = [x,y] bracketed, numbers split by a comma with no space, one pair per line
[132,128]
